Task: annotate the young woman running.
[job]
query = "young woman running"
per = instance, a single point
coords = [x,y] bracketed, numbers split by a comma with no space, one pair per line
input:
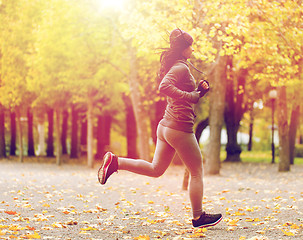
[175,131]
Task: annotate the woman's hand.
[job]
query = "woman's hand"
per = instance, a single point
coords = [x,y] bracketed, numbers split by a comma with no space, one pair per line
[203,87]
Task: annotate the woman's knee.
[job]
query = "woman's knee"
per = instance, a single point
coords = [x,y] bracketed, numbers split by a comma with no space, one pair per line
[196,172]
[157,172]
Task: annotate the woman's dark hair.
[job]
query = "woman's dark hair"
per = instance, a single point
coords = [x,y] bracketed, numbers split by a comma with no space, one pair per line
[167,59]
[179,40]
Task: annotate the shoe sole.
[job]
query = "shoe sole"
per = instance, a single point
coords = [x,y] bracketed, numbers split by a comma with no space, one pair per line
[211,224]
[107,160]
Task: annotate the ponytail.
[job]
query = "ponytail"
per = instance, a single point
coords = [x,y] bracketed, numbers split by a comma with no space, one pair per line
[167,59]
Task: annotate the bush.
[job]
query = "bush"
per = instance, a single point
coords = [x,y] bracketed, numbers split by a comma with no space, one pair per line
[299,151]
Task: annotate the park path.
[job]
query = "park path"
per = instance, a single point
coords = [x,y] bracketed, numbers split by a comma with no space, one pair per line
[45,201]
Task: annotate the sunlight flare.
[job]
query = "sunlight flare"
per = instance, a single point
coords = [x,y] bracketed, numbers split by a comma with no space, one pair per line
[114,4]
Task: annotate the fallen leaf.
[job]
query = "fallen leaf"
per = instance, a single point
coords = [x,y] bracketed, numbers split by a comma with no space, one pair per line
[294,226]
[71,222]
[11,212]
[88,229]
[233,222]
[142,237]
[30,228]
[287,233]
[32,236]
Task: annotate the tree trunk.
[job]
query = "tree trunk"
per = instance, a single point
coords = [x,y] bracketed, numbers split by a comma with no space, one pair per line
[58,138]
[185,180]
[41,137]
[2,132]
[233,113]
[74,134]
[136,98]
[30,134]
[233,149]
[251,126]
[64,131]
[293,126]
[284,161]
[83,137]
[103,135]
[159,113]
[216,110]
[13,134]
[20,135]
[295,116]
[41,133]
[100,145]
[200,127]
[50,138]
[131,129]
[90,157]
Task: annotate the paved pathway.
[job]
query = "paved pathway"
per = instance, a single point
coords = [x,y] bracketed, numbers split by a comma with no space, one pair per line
[50,202]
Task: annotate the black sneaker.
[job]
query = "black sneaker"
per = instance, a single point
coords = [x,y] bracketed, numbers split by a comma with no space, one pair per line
[108,167]
[207,220]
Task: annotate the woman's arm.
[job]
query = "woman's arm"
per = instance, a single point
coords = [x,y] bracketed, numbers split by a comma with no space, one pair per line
[168,85]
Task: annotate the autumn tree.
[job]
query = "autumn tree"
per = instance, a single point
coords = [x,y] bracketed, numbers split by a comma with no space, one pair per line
[2,133]
[280,37]
[16,22]
[67,75]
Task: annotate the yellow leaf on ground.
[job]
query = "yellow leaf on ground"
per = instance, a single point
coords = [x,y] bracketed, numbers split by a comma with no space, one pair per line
[294,226]
[57,225]
[142,237]
[12,237]
[32,236]
[14,228]
[197,235]
[233,222]
[240,213]
[288,233]
[89,229]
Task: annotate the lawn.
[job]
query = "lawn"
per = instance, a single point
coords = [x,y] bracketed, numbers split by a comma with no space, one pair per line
[259,157]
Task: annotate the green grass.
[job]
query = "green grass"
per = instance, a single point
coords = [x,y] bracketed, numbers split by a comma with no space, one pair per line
[259,157]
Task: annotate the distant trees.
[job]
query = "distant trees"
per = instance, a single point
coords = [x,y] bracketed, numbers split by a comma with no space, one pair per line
[79,62]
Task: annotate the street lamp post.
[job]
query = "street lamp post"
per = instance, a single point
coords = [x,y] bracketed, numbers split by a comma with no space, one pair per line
[272,96]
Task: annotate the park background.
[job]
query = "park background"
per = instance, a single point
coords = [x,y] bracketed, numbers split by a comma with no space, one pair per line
[78,78]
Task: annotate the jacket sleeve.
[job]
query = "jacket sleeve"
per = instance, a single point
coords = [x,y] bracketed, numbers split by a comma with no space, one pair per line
[169,82]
